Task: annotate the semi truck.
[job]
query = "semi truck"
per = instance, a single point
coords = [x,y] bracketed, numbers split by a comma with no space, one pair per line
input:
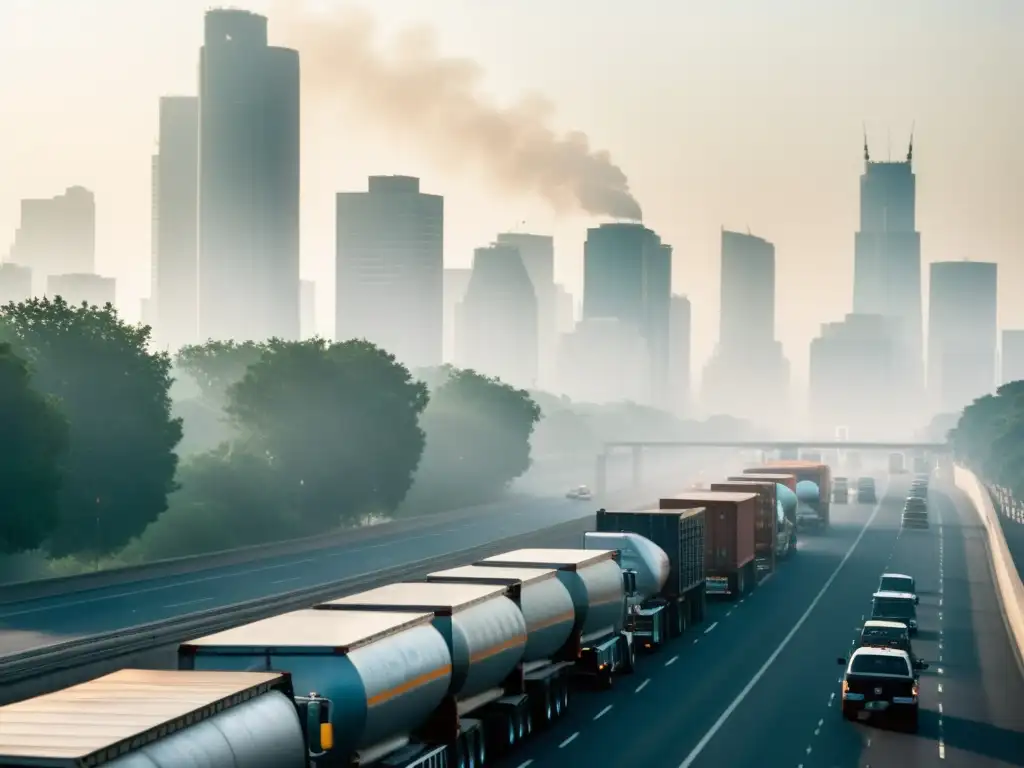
[813,489]
[897,464]
[680,534]
[729,567]
[141,718]
[769,530]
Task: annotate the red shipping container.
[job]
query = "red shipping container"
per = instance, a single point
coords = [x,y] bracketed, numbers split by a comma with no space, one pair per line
[766,525]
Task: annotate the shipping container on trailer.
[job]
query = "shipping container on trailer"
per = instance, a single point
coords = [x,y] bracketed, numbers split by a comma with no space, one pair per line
[600,591]
[679,603]
[387,676]
[485,633]
[766,531]
[164,719]
[815,472]
[729,565]
[788,481]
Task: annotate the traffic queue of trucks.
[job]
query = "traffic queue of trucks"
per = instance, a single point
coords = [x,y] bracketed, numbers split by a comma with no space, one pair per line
[437,673]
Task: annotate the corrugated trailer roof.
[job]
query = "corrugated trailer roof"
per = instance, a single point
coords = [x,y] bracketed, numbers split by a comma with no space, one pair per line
[91,723]
[312,629]
[687,512]
[494,575]
[559,559]
[439,598]
[732,496]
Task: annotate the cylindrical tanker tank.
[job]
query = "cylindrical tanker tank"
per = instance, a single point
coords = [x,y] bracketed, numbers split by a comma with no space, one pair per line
[636,553]
[807,492]
[788,499]
[235,720]
[544,600]
[384,673]
[485,631]
[593,578]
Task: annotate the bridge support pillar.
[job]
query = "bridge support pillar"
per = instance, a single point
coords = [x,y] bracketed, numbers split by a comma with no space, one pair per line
[638,466]
[601,474]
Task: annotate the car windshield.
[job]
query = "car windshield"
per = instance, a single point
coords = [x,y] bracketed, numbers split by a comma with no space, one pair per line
[896,584]
[894,638]
[877,664]
[893,608]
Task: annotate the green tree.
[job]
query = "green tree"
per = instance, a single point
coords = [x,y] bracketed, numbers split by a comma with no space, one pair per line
[339,423]
[478,440]
[989,436]
[121,461]
[216,365]
[33,441]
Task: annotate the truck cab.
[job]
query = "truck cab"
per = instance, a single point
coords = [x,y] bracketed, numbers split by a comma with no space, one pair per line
[886,634]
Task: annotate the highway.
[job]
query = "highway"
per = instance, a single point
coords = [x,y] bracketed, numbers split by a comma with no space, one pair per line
[757,684]
[45,621]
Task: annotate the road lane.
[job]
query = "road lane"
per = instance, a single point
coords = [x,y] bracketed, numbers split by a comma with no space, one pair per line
[660,714]
[48,620]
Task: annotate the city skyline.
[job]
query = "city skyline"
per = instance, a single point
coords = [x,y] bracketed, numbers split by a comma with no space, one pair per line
[736,181]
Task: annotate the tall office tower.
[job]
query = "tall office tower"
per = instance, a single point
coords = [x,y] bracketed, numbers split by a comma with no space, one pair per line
[962,333]
[604,360]
[854,367]
[175,290]
[565,310]
[887,261]
[538,254]
[627,275]
[15,283]
[57,235]
[454,284]
[307,309]
[747,349]
[76,288]
[390,269]
[1012,356]
[497,333]
[680,331]
[248,181]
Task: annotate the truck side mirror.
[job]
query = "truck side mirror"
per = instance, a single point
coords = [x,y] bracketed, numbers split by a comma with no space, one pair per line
[315,715]
[918,664]
[841,661]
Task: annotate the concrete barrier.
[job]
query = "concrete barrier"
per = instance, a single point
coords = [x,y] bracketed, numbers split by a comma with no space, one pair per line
[1009,587]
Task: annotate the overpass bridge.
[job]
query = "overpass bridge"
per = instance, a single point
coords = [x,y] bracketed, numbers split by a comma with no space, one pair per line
[639,447]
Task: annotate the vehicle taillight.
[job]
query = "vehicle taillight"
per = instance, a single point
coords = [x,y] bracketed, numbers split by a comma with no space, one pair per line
[846,687]
[913,691]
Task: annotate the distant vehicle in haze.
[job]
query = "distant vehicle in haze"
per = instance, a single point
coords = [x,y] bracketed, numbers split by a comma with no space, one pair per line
[580,493]
[897,464]
[866,490]
[840,490]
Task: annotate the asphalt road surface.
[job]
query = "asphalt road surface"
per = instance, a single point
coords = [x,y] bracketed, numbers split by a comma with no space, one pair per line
[45,621]
[757,684]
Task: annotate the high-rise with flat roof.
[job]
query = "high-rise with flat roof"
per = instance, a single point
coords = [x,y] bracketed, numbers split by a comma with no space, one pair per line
[390,269]
[57,235]
[78,288]
[962,333]
[175,216]
[248,181]
[1012,356]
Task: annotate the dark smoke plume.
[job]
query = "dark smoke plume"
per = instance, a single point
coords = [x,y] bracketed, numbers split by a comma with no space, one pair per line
[435,99]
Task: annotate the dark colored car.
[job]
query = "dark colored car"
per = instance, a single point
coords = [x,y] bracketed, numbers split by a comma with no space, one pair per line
[866,491]
[915,514]
[895,606]
[881,681]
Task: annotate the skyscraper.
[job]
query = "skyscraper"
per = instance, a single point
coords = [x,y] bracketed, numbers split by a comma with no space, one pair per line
[175,214]
[538,255]
[627,275]
[680,331]
[57,235]
[15,283]
[962,333]
[497,333]
[390,269]
[1012,356]
[455,282]
[77,288]
[747,349]
[887,260]
[248,181]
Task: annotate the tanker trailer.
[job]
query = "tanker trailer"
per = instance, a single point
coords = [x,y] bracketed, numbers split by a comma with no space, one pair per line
[813,471]
[786,494]
[665,548]
[766,531]
[485,633]
[141,718]
[600,591]
[549,613]
[385,674]
[807,495]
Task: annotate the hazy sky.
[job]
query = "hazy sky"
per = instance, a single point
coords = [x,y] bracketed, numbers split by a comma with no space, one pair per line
[740,113]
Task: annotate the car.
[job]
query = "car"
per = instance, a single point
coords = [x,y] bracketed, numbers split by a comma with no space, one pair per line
[898,582]
[866,490]
[886,634]
[915,514]
[840,490]
[895,606]
[582,493]
[881,681]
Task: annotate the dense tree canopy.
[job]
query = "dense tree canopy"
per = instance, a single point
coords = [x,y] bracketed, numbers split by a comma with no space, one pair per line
[216,365]
[989,437]
[339,423]
[33,440]
[114,393]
